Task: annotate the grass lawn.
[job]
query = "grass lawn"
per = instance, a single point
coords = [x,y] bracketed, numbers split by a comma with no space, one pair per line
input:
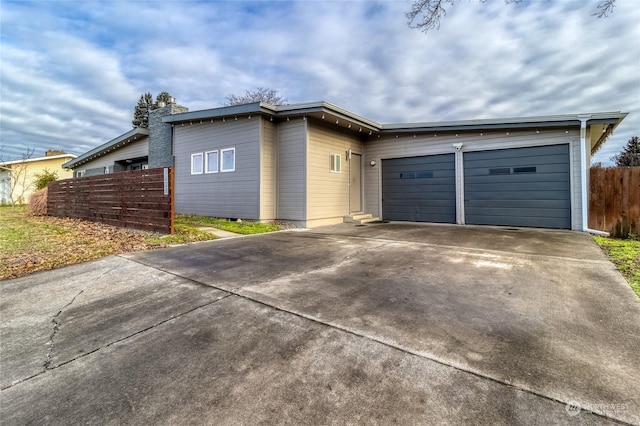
[244,227]
[29,244]
[625,254]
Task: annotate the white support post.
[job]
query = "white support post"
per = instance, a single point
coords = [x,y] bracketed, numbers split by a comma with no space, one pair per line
[459,172]
[584,169]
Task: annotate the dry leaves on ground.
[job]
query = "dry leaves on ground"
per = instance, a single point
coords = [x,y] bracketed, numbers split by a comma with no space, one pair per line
[50,242]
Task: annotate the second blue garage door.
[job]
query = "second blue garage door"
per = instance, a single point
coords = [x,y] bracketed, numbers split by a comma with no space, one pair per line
[518,187]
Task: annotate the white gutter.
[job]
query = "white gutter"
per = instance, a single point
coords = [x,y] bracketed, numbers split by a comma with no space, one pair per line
[584,167]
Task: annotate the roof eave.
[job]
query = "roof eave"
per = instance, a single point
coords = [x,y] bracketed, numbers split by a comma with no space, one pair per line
[609,130]
[569,120]
[101,150]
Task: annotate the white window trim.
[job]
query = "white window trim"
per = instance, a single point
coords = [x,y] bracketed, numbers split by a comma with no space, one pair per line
[332,163]
[206,161]
[81,173]
[222,151]
[193,156]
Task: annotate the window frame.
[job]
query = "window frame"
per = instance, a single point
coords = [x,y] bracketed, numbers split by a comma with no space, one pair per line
[193,157]
[335,163]
[207,162]
[222,168]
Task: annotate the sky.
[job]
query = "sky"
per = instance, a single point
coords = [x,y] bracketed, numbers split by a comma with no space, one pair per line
[71,72]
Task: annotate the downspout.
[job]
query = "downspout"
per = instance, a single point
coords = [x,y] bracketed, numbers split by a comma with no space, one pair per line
[584,170]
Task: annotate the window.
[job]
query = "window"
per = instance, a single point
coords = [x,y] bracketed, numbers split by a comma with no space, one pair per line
[80,173]
[228,159]
[500,171]
[524,170]
[196,163]
[211,161]
[336,164]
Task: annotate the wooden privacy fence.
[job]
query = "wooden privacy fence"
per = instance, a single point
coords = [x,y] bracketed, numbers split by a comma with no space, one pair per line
[614,204]
[140,199]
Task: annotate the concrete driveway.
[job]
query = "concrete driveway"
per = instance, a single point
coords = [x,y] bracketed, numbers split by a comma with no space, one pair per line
[375,324]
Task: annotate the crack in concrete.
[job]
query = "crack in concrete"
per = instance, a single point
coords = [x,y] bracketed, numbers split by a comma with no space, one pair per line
[388,343]
[227,294]
[56,322]
[56,327]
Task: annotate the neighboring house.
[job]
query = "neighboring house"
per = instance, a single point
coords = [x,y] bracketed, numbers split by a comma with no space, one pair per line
[315,164]
[17,177]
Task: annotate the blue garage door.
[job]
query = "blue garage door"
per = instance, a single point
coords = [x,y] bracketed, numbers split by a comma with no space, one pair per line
[419,189]
[518,187]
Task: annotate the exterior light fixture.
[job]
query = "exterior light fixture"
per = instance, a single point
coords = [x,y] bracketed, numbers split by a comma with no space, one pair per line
[372,162]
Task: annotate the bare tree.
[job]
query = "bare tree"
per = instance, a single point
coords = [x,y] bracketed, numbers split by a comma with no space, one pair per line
[261,94]
[15,172]
[604,9]
[426,14]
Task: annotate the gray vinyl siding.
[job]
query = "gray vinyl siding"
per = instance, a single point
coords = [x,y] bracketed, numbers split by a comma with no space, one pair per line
[327,192]
[131,150]
[390,146]
[268,172]
[291,160]
[229,194]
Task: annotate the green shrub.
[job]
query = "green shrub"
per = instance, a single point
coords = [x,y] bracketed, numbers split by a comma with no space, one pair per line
[43,179]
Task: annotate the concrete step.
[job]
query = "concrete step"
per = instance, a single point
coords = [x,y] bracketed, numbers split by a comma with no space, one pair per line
[359,219]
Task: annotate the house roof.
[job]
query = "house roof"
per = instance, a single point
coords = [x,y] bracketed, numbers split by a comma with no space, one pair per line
[602,124]
[131,136]
[321,110]
[32,160]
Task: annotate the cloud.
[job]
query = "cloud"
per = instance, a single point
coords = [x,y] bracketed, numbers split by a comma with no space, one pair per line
[71,74]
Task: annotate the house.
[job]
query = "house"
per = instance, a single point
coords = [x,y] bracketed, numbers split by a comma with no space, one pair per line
[139,148]
[17,177]
[314,164]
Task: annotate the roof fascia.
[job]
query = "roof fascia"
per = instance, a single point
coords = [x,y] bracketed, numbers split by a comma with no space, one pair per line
[32,160]
[252,108]
[569,120]
[326,107]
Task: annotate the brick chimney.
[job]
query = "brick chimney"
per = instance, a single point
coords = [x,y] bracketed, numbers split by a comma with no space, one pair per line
[52,152]
[160,143]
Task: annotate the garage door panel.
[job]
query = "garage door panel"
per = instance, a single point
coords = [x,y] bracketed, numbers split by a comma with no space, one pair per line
[505,162]
[523,204]
[515,153]
[512,187]
[518,187]
[534,222]
[435,203]
[522,196]
[522,212]
[419,188]
[506,170]
[434,187]
[520,177]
